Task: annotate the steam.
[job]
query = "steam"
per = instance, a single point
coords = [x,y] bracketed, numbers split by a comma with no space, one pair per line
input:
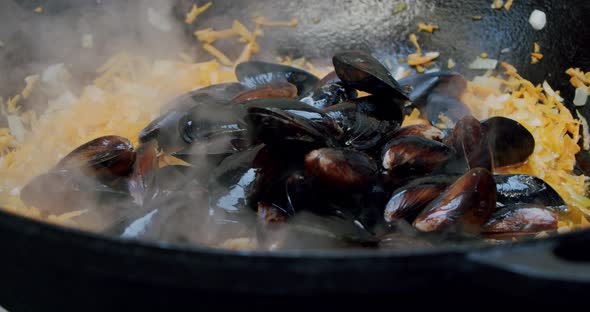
[63,50]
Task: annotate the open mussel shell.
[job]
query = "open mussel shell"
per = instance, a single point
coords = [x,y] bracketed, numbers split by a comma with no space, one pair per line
[219,93]
[510,142]
[409,200]
[522,189]
[276,89]
[414,155]
[366,122]
[105,157]
[464,205]
[255,73]
[520,220]
[168,129]
[362,71]
[341,168]
[280,122]
[207,121]
[329,91]
[165,129]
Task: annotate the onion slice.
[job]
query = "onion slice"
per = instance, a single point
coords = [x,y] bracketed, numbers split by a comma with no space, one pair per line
[581,96]
[547,88]
[538,19]
[483,63]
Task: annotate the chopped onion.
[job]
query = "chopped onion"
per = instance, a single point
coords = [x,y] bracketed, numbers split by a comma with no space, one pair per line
[87,41]
[451,64]
[550,91]
[158,20]
[399,73]
[581,96]
[15,124]
[481,63]
[538,19]
[505,50]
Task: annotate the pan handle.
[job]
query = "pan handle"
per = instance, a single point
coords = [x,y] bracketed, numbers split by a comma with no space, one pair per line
[542,260]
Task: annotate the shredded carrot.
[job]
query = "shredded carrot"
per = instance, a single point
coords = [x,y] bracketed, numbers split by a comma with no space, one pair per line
[508,5]
[414,118]
[195,12]
[209,35]
[262,21]
[497,4]
[245,34]
[222,58]
[536,56]
[416,59]
[427,27]
[555,130]
[578,78]
[414,41]
[406,73]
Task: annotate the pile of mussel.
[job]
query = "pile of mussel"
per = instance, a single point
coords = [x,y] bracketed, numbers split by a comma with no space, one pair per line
[297,161]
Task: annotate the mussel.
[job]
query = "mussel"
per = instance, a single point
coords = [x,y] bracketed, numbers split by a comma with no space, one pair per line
[469,140]
[522,220]
[465,204]
[510,142]
[449,83]
[522,189]
[425,131]
[414,155]
[366,122]
[408,201]
[104,157]
[329,91]
[362,71]
[341,169]
[289,124]
[141,183]
[255,73]
[214,129]
[271,90]
[166,128]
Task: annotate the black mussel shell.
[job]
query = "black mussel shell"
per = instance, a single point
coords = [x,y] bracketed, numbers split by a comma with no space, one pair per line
[522,189]
[362,71]
[255,73]
[467,204]
[510,142]
[414,155]
[104,157]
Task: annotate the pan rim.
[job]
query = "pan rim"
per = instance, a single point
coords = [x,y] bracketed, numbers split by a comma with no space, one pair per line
[76,236]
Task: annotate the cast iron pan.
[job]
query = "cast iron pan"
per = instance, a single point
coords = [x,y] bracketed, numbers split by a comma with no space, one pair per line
[44,267]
